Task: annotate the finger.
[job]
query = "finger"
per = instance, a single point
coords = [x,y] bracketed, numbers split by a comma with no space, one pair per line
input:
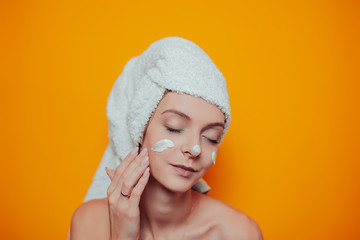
[126,161]
[123,165]
[139,188]
[134,164]
[121,168]
[128,171]
[110,173]
[133,178]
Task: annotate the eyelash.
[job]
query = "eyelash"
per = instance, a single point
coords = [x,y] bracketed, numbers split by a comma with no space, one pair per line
[213,141]
[173,130]
[179,131]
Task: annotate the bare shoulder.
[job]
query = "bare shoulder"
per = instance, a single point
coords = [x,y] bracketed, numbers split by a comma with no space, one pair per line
[230,222]
[90,220]
[240,226]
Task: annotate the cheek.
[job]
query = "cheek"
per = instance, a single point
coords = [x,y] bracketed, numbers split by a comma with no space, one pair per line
[161,150]
[209,149]
[162,145]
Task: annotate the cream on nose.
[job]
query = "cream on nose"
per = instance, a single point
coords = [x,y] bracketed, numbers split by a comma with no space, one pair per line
[196,149]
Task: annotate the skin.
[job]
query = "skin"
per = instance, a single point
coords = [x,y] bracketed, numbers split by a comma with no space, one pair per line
[162,204]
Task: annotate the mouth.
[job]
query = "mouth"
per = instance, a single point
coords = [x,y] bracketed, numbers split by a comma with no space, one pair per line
[184,167]
[183,170]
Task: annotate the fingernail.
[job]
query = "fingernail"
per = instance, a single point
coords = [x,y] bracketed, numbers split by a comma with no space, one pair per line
[143,153]
[133,152]
[144,161]
[146,173]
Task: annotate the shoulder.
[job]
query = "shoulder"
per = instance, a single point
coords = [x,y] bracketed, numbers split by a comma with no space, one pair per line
[240,226]
[230,222]
[86,217]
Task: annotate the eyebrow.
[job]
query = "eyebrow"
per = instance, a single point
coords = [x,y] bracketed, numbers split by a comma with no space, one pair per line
[178,113]
[183,115]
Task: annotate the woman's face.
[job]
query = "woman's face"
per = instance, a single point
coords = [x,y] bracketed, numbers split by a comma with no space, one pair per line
[182,139]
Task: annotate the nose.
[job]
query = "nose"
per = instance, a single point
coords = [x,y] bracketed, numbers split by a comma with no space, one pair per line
[192,149]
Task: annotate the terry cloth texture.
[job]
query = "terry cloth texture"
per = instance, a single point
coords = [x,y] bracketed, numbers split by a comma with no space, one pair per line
[172,63]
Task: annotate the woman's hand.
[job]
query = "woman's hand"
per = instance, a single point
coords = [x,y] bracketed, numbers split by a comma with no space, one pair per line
[127,184]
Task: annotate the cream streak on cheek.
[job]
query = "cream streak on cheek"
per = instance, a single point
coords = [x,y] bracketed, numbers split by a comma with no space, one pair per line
[162,145]
[213,157]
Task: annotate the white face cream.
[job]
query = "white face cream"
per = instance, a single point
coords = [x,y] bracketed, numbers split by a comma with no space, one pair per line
[162,145]
[213,157]
[196,149]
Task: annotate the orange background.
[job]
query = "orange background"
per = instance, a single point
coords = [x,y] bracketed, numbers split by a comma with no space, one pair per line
[290,159]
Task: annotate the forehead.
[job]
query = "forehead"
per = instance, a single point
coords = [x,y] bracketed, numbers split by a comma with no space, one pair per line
[194,107]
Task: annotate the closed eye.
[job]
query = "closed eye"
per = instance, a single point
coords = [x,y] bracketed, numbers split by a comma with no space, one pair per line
[212,140]
[173,130]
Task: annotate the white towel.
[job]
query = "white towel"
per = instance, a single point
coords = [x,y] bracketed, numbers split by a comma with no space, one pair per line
[172,63]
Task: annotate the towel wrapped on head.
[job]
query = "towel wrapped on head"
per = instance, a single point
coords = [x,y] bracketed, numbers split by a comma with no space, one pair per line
[173,64]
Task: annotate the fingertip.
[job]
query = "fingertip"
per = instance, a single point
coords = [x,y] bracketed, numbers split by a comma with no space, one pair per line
[133,152]
[108,172]
[147,172]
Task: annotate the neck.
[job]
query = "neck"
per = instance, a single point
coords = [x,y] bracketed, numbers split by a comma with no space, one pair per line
[162,209]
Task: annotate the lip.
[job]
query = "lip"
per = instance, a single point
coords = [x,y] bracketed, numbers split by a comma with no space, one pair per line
[184,167]
[183,170]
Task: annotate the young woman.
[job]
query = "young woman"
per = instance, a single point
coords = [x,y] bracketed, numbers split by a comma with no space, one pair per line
[172,103]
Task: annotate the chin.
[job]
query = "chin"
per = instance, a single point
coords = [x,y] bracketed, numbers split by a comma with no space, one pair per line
[176,183]
[179,187]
